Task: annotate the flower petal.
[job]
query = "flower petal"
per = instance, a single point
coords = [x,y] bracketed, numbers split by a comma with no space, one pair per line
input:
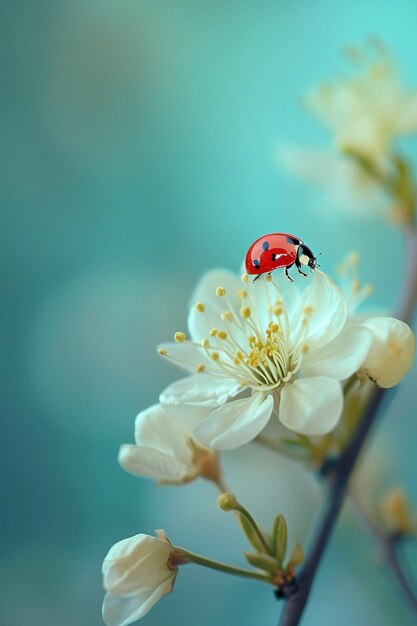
[340,358]
[200,324]
[151,463]
[311,406]
[328,311]
[235,423]
[190,400]
[392,351]
[121,611]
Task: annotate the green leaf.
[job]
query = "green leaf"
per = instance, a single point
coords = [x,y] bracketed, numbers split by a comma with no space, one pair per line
[250,534]
[263,562]
[279,538]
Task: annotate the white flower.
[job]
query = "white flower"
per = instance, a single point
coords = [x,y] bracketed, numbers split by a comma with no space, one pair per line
[366,112]
[346,186]
[392,351]
[165,451]
[264,349]
[136,573]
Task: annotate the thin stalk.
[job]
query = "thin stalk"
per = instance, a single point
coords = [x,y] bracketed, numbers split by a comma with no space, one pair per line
[389,545]
[223,567]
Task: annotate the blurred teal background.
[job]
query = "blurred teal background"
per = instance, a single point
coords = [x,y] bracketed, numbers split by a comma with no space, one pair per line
[138,149]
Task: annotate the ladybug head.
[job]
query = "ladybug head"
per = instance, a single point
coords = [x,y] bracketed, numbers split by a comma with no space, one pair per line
[306,257]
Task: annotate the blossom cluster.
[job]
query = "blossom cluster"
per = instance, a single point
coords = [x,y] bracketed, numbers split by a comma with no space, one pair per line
[254,352]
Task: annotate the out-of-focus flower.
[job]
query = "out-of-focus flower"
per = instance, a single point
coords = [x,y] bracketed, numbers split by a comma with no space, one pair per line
[166,452]
[392,351]
[267,349]
[369,110]
[395,512]
[137,572]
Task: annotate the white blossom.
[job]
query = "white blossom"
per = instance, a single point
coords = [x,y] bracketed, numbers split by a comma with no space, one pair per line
[262,349]
[367,111]
[136,572]
[392,351]
[165,451]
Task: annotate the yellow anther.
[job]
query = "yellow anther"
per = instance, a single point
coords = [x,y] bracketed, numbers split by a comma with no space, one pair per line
[244,278]
[268,278]
[222,334]
[368,290]
[205,343]
[227,315]
[352,258]
[179,337]
[252,340]
[245,312]
[356,285]
[278,310]
[162,351]
[215,356]
[220,291]
[242,293]
[213,332]
[305,348]
[274,327]
[240,355]
[200,307]
[200,368]
[308,310]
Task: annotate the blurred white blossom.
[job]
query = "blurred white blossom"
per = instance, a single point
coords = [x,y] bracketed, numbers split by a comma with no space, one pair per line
[367,111]
[268,349]
[137,572]
[165,451]
[392,351]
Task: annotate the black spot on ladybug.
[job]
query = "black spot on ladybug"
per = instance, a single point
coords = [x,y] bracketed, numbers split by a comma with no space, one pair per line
[293,240]
[265,245]
[256,262]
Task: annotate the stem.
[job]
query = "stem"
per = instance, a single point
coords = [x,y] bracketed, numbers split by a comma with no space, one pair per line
[389,545]
[338,474]
[223,567]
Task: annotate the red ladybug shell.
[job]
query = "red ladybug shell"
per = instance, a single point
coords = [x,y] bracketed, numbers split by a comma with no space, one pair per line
[270,252]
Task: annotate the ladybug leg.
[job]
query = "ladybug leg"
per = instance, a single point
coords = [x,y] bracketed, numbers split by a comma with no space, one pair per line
[256,277]
[300,272]
[287,275]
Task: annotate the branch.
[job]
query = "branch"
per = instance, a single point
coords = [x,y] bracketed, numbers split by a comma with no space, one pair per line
[339,472]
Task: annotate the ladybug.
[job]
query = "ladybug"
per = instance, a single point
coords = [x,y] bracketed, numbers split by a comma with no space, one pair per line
[276,250]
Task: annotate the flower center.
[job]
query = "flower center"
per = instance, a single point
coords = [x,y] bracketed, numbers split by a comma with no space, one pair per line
[253,345]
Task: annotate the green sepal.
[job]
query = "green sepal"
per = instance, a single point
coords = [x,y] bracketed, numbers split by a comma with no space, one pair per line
[279,538]
[263,562]
[250,534]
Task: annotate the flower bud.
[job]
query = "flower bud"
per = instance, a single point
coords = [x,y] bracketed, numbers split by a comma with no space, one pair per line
[395,512]
[392,351]
[227,502]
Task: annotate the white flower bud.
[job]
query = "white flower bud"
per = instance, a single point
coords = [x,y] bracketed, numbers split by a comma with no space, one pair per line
[136,573]
[392,351]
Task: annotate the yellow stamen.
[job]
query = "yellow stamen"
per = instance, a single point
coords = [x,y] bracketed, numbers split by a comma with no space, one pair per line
[205,343]
[222,334]
[308,310]
[245,312]
[220,291]
[227,315]
[244,278]
[215,356]
[162,351]
[200,368]
[200,307]
[213,332]
[179,337]
[242,293]
[268,278]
